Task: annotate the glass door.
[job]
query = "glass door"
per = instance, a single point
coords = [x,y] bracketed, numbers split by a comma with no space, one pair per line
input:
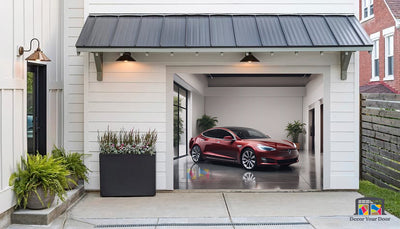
[180,121]
[36,108]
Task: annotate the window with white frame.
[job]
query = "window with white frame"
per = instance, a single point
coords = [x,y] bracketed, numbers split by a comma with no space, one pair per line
[389,63]
[368,8]
[375,61]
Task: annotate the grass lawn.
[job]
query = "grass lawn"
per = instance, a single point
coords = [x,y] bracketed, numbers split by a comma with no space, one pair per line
[392,198]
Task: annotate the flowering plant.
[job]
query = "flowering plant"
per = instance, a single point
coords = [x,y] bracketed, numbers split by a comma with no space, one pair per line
[127,142]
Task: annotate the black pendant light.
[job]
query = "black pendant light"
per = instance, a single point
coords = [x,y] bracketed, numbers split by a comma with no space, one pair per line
[126,56]
[249,58]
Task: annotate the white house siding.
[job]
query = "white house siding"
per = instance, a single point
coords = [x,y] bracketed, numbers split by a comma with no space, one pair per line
[73,76]
[23,20]
[266,109]
[131,95]
[344,128]
[222,6]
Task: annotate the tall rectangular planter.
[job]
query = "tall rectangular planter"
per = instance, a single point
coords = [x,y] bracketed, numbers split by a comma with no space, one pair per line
[127,175]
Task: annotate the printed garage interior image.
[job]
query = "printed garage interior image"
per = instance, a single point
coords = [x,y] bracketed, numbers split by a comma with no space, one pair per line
[264,102]
[254,74]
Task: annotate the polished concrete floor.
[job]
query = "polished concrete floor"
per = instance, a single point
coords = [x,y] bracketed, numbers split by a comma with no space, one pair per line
[304,175]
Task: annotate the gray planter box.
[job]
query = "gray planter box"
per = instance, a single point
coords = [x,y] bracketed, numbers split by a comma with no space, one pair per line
[127,175]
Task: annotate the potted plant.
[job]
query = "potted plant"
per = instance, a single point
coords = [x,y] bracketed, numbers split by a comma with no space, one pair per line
[127,163]
[37,180]
[75,165]
[206,122]
[294,130]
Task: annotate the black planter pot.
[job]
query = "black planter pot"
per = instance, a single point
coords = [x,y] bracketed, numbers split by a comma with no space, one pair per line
[127,175]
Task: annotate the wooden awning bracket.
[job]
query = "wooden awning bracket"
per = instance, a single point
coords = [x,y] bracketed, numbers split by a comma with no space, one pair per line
[98,60]
[344,64]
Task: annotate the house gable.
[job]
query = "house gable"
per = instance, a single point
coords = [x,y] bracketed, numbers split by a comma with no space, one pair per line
[394,7]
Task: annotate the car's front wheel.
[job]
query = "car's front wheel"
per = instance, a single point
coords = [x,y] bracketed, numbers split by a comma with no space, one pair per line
[196,154]
[248,159]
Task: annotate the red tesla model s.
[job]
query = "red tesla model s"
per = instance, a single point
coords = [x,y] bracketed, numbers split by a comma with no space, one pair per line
[245,146]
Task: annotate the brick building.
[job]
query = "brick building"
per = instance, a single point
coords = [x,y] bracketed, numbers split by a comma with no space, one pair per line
[380,69]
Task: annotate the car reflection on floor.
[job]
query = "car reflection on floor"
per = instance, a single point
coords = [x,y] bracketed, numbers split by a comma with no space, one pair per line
[218,175]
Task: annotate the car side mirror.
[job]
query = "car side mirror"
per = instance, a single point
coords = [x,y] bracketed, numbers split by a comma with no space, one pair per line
[228,138]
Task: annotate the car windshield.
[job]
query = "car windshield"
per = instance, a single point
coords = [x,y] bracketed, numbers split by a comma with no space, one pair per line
[247,133]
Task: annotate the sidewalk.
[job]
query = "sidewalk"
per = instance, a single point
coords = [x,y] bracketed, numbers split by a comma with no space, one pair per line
[221,210]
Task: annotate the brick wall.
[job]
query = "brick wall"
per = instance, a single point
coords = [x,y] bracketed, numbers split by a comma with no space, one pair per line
[382,19]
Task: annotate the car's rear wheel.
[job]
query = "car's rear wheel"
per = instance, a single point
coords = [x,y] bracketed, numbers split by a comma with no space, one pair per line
[248,159]
[196,154]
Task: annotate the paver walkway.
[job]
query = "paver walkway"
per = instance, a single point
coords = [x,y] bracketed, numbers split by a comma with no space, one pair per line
[219,210]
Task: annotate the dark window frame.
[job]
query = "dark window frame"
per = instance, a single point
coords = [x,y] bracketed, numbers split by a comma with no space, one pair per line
[186,111]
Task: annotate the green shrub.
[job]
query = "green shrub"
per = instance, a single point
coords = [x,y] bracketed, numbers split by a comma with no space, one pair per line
[37,170]
[73,162]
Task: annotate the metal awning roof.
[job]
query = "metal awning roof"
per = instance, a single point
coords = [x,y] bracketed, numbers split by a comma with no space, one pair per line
[162,33]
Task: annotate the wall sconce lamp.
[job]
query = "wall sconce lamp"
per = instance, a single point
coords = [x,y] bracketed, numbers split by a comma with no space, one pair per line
[249,58]
[126,56]
[38,55]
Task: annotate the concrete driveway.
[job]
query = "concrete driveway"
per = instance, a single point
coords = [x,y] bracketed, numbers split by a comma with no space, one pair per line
[220,210]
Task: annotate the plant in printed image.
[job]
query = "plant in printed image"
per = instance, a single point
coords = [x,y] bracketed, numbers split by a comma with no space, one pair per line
[178,122]
[206,122]
[127,142]
[294,130]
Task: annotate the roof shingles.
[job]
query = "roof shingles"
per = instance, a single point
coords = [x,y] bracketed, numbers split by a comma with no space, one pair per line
[394,6]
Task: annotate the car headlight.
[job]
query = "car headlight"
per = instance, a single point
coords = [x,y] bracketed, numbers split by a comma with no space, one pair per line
[266,148]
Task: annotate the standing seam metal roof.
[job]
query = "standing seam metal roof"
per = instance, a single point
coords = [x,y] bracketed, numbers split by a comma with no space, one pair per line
[228,31]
